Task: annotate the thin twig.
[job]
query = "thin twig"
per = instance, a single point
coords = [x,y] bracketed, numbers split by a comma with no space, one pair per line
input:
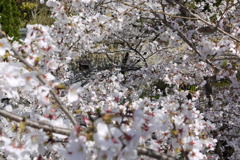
[185,39]
[74,43]
[133,49]
[219,29]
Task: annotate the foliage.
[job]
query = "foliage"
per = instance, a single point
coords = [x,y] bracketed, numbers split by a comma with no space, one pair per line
[32,12]
[10,18]
[131,108]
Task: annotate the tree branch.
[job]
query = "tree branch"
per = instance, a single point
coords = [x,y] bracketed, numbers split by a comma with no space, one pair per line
[206,22]
[65,131]
[195,17]
[154,154]
[219,29]
[185,39]
[37,125]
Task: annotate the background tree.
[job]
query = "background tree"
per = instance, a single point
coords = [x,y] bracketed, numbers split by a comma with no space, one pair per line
[33,12]
[10,18]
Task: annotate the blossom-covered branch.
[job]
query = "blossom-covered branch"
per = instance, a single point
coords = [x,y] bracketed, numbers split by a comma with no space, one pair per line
[43,81]
[37,125]
[154,154]
[142,78]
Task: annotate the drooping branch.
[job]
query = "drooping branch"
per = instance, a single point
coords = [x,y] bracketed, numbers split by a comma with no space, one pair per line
[37,125]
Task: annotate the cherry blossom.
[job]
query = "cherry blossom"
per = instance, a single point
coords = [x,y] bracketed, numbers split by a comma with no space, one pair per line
[4,45]
[172,92]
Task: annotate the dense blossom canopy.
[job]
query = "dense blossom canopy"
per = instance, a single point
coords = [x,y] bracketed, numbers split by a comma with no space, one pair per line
[175,94]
